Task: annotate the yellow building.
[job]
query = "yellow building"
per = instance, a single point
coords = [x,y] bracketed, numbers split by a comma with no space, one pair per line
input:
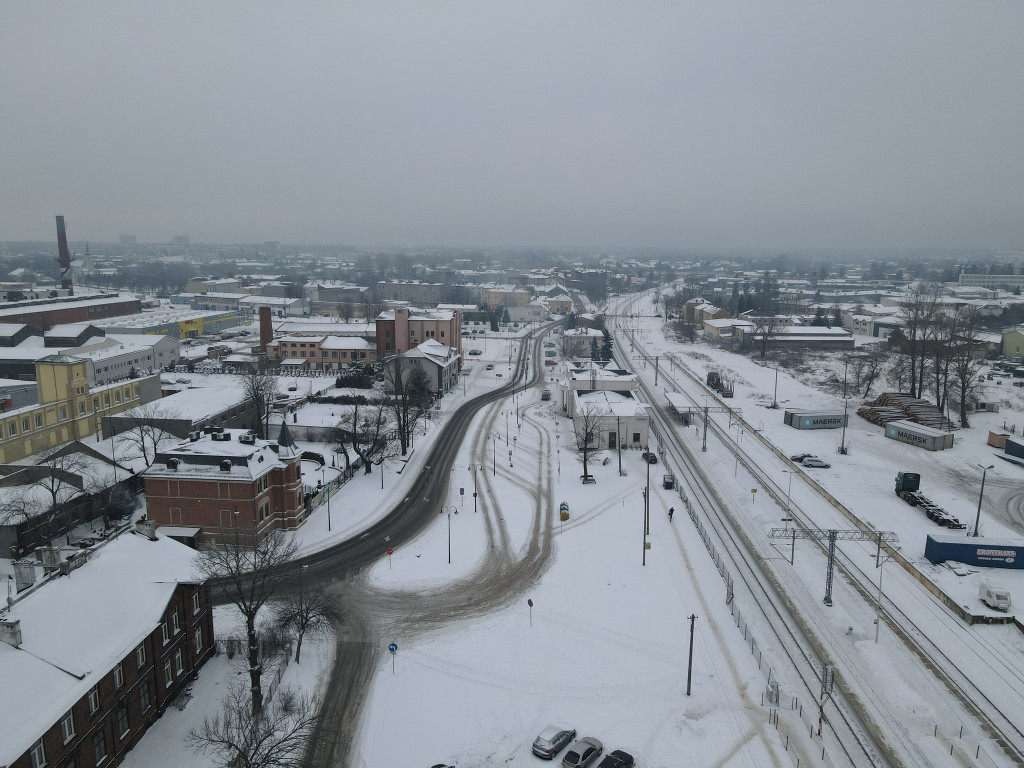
[1013,343]
[67,409]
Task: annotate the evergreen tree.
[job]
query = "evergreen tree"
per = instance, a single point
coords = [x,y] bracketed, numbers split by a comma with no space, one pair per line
[606,348]
[595,351]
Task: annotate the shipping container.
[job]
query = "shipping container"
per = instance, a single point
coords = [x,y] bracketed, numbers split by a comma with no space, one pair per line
[788,417]
[816,419]
[998,439]
[1014,447]
[991,553]
[919,435]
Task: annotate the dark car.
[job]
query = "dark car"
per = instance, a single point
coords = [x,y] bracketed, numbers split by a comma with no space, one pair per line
[583,753]
[798,457]
[617,759]
[552,740]
[649,457]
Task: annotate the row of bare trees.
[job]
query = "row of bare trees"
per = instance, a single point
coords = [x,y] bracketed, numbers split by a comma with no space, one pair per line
[942,349]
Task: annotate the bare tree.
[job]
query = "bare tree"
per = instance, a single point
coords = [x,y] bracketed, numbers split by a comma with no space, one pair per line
[918,314]
[61,479]
[966,360]
[867,367]
[766,328]
[276,737]
[585,425]
[309,611]
[247,574]
[260,389]
[147,429]
[409,395]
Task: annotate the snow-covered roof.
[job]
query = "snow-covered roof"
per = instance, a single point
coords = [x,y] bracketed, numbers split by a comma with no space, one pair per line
[610,403]
[434,351]
[75,628]
[204,458]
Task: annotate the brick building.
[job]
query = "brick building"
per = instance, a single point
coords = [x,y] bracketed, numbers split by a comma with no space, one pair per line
[225,482]
[90,660]
[399,330]
[327,353]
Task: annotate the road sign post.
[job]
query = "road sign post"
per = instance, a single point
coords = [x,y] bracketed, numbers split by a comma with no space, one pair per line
[390,553]
[530,603]
[394,649]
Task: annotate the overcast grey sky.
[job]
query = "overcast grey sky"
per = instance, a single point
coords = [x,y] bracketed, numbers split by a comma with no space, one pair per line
[720,123]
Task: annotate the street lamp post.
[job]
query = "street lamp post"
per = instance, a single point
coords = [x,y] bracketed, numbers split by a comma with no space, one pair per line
[327,493]
[981,493]
[449,509]
[789,488]
[473,468]
[494,455]
[506,412]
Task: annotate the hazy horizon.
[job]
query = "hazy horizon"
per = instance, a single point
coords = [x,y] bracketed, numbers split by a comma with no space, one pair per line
[662,125]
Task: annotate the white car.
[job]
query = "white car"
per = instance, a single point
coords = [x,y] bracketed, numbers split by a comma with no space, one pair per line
[814,461]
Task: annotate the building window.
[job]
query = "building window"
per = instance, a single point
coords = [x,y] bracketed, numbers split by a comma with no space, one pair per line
[81,409]
[67,727]
[24,425]
[176,621]
[39,420]
[99,747]
[165,633]
[179,666]
[94,700]
[168,674]
[38,755]
[63,414]
[117,397]
[195,603]
[12,429]
[199,640]
[140,656]
[122,720]
[144,697]
[118,677]
[442,334]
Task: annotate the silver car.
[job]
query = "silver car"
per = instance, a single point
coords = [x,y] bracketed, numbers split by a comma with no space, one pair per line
[814,461]
[552,740]
[583,753]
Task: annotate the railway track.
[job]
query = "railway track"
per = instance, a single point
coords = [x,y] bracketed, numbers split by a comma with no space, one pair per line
[992,718]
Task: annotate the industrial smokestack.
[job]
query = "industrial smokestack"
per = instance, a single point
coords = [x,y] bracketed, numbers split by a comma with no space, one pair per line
[266,329]
[64,256]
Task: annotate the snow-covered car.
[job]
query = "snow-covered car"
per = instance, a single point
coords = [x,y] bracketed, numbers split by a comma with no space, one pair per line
[617,759]
[475,352]
[583,753]
[814,461]
[552,740]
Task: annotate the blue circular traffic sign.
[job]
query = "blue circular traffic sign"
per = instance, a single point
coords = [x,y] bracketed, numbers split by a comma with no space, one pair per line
[530,603]
[393,647]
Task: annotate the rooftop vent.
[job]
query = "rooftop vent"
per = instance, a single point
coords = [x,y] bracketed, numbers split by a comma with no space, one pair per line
[225,466]
[172,463]
[193,436]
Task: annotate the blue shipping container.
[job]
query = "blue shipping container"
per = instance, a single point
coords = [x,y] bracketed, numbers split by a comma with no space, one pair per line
[991,553]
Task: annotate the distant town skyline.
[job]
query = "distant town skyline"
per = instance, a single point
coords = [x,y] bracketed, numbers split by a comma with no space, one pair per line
[678,125]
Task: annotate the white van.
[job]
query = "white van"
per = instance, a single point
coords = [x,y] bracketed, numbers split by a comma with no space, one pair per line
[994,596]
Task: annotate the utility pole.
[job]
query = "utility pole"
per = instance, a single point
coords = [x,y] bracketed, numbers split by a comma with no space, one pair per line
[656,370]
[689,665]
[618,443]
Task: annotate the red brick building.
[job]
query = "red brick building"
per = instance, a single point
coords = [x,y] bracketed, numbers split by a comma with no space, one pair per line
[227,483]
[91,659]
[399,330]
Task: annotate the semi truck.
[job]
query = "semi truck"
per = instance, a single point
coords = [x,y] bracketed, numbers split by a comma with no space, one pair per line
[908,488]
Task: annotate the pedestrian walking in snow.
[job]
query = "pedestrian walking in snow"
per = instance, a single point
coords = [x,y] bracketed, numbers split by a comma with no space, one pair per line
[671,511]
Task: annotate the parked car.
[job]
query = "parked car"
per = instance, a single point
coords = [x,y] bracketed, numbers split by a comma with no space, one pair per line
[617,759]
[814,461]
[668,481]
[475,352]
[798,457]
[583,753]
[489,368]
[552,740]
[649,457]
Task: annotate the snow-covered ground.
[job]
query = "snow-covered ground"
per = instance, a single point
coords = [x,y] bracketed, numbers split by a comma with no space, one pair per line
[607,649]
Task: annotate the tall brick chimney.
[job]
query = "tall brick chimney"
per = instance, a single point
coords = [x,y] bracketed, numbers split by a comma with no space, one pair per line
[266,329]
